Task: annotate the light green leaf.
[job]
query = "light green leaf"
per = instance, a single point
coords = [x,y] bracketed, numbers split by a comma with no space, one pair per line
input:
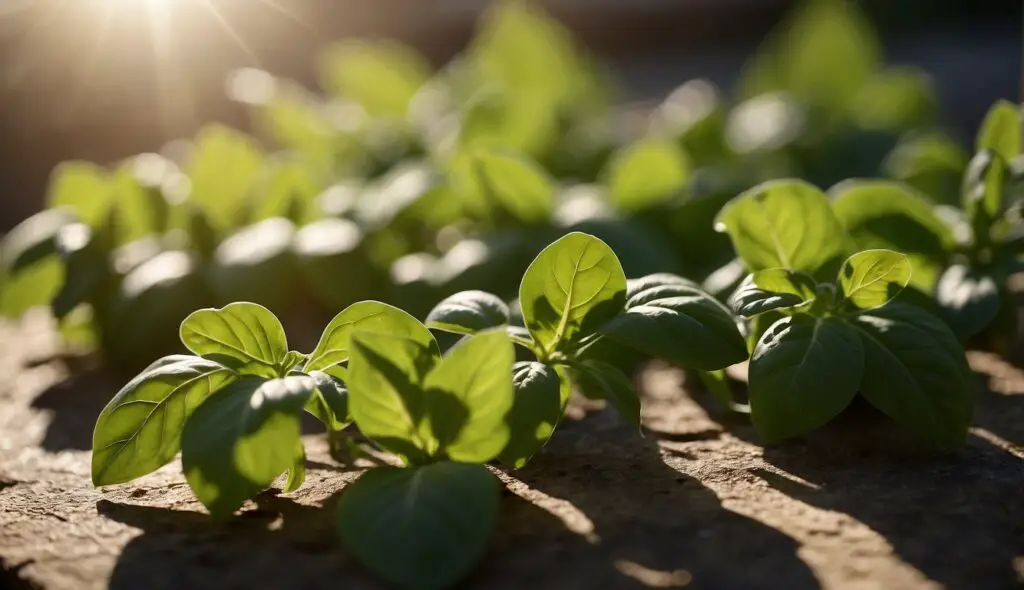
[785,224]
[773,288]
[879,214]
[468,395]
[386,397]
[83,188]
[245,337]
[495,117]
[679,323]
[915,372]
[139,431]
[599,380]
[420,528]
[468,312]
[646,173]
[329,403]
[224,167]
[489,179]
[238,441]
[571,288]
[382,76]
[931,162]
[541,394]
[804,371]
[1001,130]
[138,199]
[297,472]
[970,299]
[334,346]
[871,278]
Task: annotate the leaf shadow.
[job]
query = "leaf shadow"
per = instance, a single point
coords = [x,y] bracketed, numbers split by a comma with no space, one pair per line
[954,516]
[627,519]
[278,544]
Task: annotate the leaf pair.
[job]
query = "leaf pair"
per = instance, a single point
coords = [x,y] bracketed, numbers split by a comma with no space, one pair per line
[838,340]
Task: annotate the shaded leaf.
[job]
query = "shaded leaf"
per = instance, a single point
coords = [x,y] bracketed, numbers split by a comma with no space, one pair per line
[970,299]
[599,380]
[468,312]
[773,288]
[541,394]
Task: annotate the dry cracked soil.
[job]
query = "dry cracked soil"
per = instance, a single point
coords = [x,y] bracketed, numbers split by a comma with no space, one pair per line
[691,501]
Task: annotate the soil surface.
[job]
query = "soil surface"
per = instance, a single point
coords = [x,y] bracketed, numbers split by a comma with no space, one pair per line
[692,501]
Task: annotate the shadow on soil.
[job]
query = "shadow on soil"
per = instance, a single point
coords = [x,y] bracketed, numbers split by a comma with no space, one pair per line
[652,526]
[279,544]
[957,517]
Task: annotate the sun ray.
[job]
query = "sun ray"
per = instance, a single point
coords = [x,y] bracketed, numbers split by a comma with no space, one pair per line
[208,4]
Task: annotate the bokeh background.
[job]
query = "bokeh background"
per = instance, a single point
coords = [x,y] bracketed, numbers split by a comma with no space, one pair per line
[103,79]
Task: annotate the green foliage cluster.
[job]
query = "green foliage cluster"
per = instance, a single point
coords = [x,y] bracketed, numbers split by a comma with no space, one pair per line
[232,408]
[544,237]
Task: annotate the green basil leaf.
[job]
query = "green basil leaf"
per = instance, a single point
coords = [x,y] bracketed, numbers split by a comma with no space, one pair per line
[872,278]
[541,394]
[386,398]
[931,162]
[139,431]
[486,179]
[238,441]
[657,286]
[291,360]
[83,188]
[879,214]
[137,197]
[773,288]
[1000,131]
[915,372]
[85,254]
[785,224]
[382,76]
[334,264]
[34,239]
[681,324]
[571,288]
[468,395]
[468,312]
[422,528]
[243,261]
[970,298]
[329,403]
[646,173]
[984,182]
[804,371]
[297,472]
[599,380]
[242,336]
[224,167]
[374,316]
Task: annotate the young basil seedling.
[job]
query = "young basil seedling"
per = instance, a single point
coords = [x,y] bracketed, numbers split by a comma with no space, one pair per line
[426,525]
[232,409]
[837,339]
[573,295]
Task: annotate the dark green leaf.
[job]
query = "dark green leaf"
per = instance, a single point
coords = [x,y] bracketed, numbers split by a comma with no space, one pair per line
[1001,130]
[785,224]
[970,298]
[329,403]
[679,323]
[241,439]
[872,278]
[541,394]
[468,312]
[880,214]
[243,261]
[334,346]
[773,288]
[139,431]
[242,336]
[420,528]
[573,286]
[915,372]
[599,380]
[804,371]
[85,255]
[34,239]
[931,162]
